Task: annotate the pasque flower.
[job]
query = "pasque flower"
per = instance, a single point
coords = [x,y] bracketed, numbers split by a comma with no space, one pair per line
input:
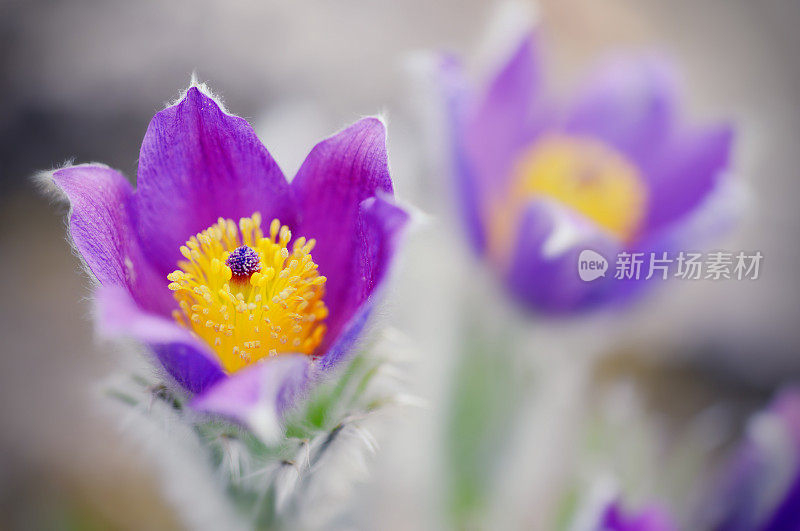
[757,487]
[651,518]
[245,286]
[617,169]
[760,484]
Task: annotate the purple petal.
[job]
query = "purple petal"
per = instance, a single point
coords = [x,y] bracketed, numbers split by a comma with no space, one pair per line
[760,487]
[347,339]
[504,121]
[259,395]
[714,217]
[786,407]
[629,102]
[336,177]
[688,168]
[198,163]
[381,223]
[543,273]
[101,227]
[454,93]
[652,518]
[786,516]
[185,358]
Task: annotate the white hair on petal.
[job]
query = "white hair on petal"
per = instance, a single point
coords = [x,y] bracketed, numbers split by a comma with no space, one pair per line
[43,180]
[202,86]
[383,117]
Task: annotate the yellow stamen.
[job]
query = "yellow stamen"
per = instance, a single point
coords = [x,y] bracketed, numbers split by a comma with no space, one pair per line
[583,174]
[276,309]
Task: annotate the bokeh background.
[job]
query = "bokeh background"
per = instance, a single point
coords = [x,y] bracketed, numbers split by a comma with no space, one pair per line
[80,80]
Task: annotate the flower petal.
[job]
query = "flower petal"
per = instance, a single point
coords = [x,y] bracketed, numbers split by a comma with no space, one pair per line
[504,121]
[101,227]
[197,164]
[688,168]
[454,88]
[760,485]
[543,273]
[628,102]
[185,358]
[786,408]
[348,338]
[259,395]
[787,514]
[380,223]
[336,177]
[652,518]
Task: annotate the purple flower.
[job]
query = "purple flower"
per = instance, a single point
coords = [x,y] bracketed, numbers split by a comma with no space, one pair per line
[617,170]
[760,486]
[245,286]
[652,518]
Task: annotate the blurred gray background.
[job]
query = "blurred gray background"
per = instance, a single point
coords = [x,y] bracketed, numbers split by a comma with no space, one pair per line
[80,80]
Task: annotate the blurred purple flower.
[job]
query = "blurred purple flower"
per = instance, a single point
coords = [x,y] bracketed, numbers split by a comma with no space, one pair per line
[760,487]
[616,170]
[652,518]
[200,172]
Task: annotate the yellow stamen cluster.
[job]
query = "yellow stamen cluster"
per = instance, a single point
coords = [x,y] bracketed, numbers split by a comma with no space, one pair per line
[583,174]
[278,309]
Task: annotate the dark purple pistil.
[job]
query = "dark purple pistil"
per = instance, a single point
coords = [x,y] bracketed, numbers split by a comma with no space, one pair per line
[243,262]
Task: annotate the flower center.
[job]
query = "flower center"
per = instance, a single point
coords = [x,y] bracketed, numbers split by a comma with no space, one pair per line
[243,261]
[583,174]
[248,295]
